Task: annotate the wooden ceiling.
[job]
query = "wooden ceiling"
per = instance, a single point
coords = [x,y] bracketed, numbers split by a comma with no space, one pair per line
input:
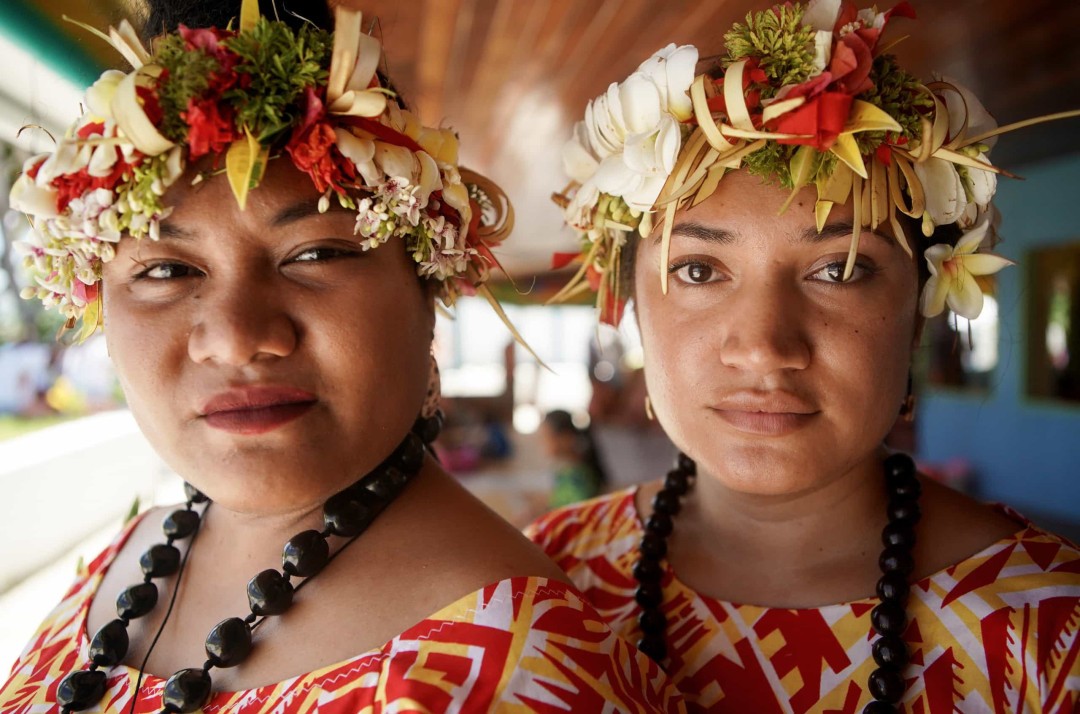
[513,75]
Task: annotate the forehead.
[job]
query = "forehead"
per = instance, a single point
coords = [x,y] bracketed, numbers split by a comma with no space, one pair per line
[283,195]
[745,203]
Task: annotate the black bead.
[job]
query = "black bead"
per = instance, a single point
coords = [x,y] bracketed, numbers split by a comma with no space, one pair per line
[653,647]
[193,494]
[160,561]
[305,554]
[647,570]
[890,652]
[666,502]
[428,428]
[893,587]
[685,464]
[659,524]
[896,558]
[81,690]
[904,509]
[886,685]
[889,618]
[652,622]
[269,593]
[878,707]
[677,482]
[110,644]
[186,691]
[386,483]
[898,465]
[409,457]
[346,514]
[136,601]
[649,595]
[229,642]
[899,534]
[653,546]
[905,487]
[180,524]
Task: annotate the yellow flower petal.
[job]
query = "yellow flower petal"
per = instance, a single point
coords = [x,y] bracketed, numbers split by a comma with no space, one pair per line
[985,263]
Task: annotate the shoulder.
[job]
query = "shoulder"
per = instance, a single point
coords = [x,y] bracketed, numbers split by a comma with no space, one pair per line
[534,639]
[588,527]
[955,527]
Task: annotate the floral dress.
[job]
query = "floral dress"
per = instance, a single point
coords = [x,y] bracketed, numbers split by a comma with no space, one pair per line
[997,632]
[524,644]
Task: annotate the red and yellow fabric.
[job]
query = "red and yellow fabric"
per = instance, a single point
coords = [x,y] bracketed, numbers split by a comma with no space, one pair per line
[519,645]
[998,632]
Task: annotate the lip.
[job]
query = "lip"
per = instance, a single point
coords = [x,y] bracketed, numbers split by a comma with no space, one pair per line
[765,414]
[256,409]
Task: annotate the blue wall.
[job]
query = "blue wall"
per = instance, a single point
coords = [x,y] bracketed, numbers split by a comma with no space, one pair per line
[1026,452]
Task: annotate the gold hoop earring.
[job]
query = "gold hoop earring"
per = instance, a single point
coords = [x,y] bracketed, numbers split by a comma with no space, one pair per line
[648,409]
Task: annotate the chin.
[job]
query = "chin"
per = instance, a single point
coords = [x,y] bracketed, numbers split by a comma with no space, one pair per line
[772,466]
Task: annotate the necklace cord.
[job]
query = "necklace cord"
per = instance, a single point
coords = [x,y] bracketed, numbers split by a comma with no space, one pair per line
[168,612]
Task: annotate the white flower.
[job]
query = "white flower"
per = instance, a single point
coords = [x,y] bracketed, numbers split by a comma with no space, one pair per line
[99,96]
[630,139]
[820,15]
[33,199]
[955,194]
[953,271]
[671,70]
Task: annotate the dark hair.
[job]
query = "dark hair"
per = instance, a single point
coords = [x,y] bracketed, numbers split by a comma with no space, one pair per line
[561,421]
[166,15]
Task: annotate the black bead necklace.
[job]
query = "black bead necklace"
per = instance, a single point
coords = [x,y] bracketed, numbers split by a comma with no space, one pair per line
[346,514]
[886,683]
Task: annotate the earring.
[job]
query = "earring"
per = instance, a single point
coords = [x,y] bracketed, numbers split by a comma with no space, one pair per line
[434,391]
[648,409]
[907,407]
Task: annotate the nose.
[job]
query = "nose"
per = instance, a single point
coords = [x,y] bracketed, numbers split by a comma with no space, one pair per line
[765,329]
[241,320]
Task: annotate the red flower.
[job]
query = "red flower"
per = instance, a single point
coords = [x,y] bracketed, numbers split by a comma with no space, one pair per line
[150,105]
[84,292]
[823,118]
[72,186]
[211,128]
[315,153]
[313,148]
[852,60]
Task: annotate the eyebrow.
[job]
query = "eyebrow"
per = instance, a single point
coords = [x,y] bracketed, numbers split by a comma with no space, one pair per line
[304,208]
[722,236]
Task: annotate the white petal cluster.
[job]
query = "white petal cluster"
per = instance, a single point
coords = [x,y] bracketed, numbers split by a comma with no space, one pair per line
[630,139]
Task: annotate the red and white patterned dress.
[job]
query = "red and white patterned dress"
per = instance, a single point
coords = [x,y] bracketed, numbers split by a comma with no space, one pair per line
[520,645]
[998,632]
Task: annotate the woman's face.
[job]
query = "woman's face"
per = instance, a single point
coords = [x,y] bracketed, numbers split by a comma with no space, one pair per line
[761,364]
[268,359]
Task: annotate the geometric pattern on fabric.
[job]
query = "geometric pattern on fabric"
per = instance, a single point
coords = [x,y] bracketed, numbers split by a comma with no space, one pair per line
[998,632]
[524,644]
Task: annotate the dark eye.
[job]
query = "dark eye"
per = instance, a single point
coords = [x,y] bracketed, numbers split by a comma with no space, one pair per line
[166,271]
[833,273]
[696,273]
[320,253]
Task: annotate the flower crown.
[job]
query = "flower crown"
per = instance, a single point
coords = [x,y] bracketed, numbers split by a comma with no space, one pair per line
[244,94]
[805,95]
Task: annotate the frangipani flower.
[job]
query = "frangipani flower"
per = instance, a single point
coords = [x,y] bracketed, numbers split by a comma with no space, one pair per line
[953,271]
[630,139]
[953,193]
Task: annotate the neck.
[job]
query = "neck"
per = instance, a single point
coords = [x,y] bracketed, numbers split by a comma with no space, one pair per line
[738,546]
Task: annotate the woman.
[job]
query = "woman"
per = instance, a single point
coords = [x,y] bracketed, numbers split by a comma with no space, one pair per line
[578,471]
[772,215]
[222,211]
